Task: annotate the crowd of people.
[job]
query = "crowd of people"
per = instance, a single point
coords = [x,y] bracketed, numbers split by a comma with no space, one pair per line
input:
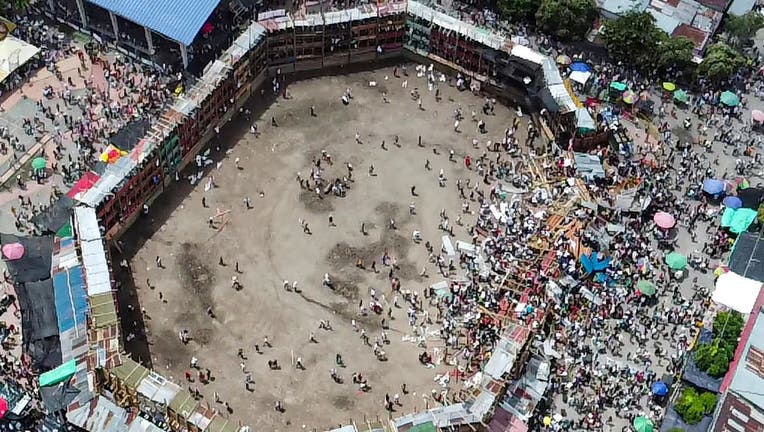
[614,342]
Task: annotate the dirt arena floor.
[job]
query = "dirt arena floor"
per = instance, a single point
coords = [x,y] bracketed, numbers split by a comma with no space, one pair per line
[270,246]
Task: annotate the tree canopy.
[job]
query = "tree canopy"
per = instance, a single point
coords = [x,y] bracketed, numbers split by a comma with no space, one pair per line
[16,4]
[727,327]
[567,19]
[518,10]
[633,38]
[692,407]
[721,62]
[742,28]
[674,52]
[714,358]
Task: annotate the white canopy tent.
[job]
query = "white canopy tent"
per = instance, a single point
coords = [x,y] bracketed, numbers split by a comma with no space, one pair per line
[736,292]
[14,52]
[580,77]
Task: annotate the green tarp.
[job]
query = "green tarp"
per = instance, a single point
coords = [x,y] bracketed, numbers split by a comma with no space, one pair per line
[59,374]
[64,231]
[744,217]
[738,220]
[727,216]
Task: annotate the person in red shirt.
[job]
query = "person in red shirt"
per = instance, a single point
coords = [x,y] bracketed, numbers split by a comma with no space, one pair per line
[467,161]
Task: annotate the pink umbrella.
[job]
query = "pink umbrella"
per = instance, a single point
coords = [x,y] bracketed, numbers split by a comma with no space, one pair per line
[13,251]
[664,220]
[757,116]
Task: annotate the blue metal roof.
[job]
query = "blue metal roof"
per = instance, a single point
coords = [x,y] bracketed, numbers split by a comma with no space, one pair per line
[179,20]
[71,302]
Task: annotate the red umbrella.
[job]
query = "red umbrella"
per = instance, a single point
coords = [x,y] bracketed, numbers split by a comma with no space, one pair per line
[13,251]
[207,28]
[664,220]
[3,407]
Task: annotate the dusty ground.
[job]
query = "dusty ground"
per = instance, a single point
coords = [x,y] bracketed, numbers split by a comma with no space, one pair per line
[270,247]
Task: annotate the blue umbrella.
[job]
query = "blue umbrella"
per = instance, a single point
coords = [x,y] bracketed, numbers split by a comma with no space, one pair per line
[732,202]
[660,388]
[713,186]
[580,67]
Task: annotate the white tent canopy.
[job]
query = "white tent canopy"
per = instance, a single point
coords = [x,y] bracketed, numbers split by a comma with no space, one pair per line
[14,52]
[580,77]
[736,292]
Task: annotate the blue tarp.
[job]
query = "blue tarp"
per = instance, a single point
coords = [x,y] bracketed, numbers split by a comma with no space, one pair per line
[592,263]
[672,420]
[580,67]
[179,20]
[695,376]
[71,300]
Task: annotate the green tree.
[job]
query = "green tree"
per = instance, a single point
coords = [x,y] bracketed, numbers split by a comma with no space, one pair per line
[713,358]
[727,328]
[567,19]
[742,28]
[16,4]
[633,38]
[674,52]
[692,407]
[721,62]
[518,10]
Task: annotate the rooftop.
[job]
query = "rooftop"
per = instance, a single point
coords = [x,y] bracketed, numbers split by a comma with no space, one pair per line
[746,374]
[179,20]
[698,37]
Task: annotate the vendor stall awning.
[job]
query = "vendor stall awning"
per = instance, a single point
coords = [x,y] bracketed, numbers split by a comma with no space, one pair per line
[736,292]
[14,52]
[179,20]
[580,77]
[59,374]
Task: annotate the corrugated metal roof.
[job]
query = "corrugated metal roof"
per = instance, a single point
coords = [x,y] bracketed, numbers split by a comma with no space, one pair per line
[140,424]
[747,376]
[664,22]
[528,54]
[245,41]
[336,17]
[112,177]
[71,301]
[158,388]
[101,415]
[741,7]
[102,310]
[96,269]
[130,372]
[363,12]
[420,11]
[179,20]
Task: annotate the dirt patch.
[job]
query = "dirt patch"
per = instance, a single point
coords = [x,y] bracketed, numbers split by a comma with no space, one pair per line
[347,288]
[203,336]
[314,204]
[195,275]
[388,211]
[342,402]
[344,255]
